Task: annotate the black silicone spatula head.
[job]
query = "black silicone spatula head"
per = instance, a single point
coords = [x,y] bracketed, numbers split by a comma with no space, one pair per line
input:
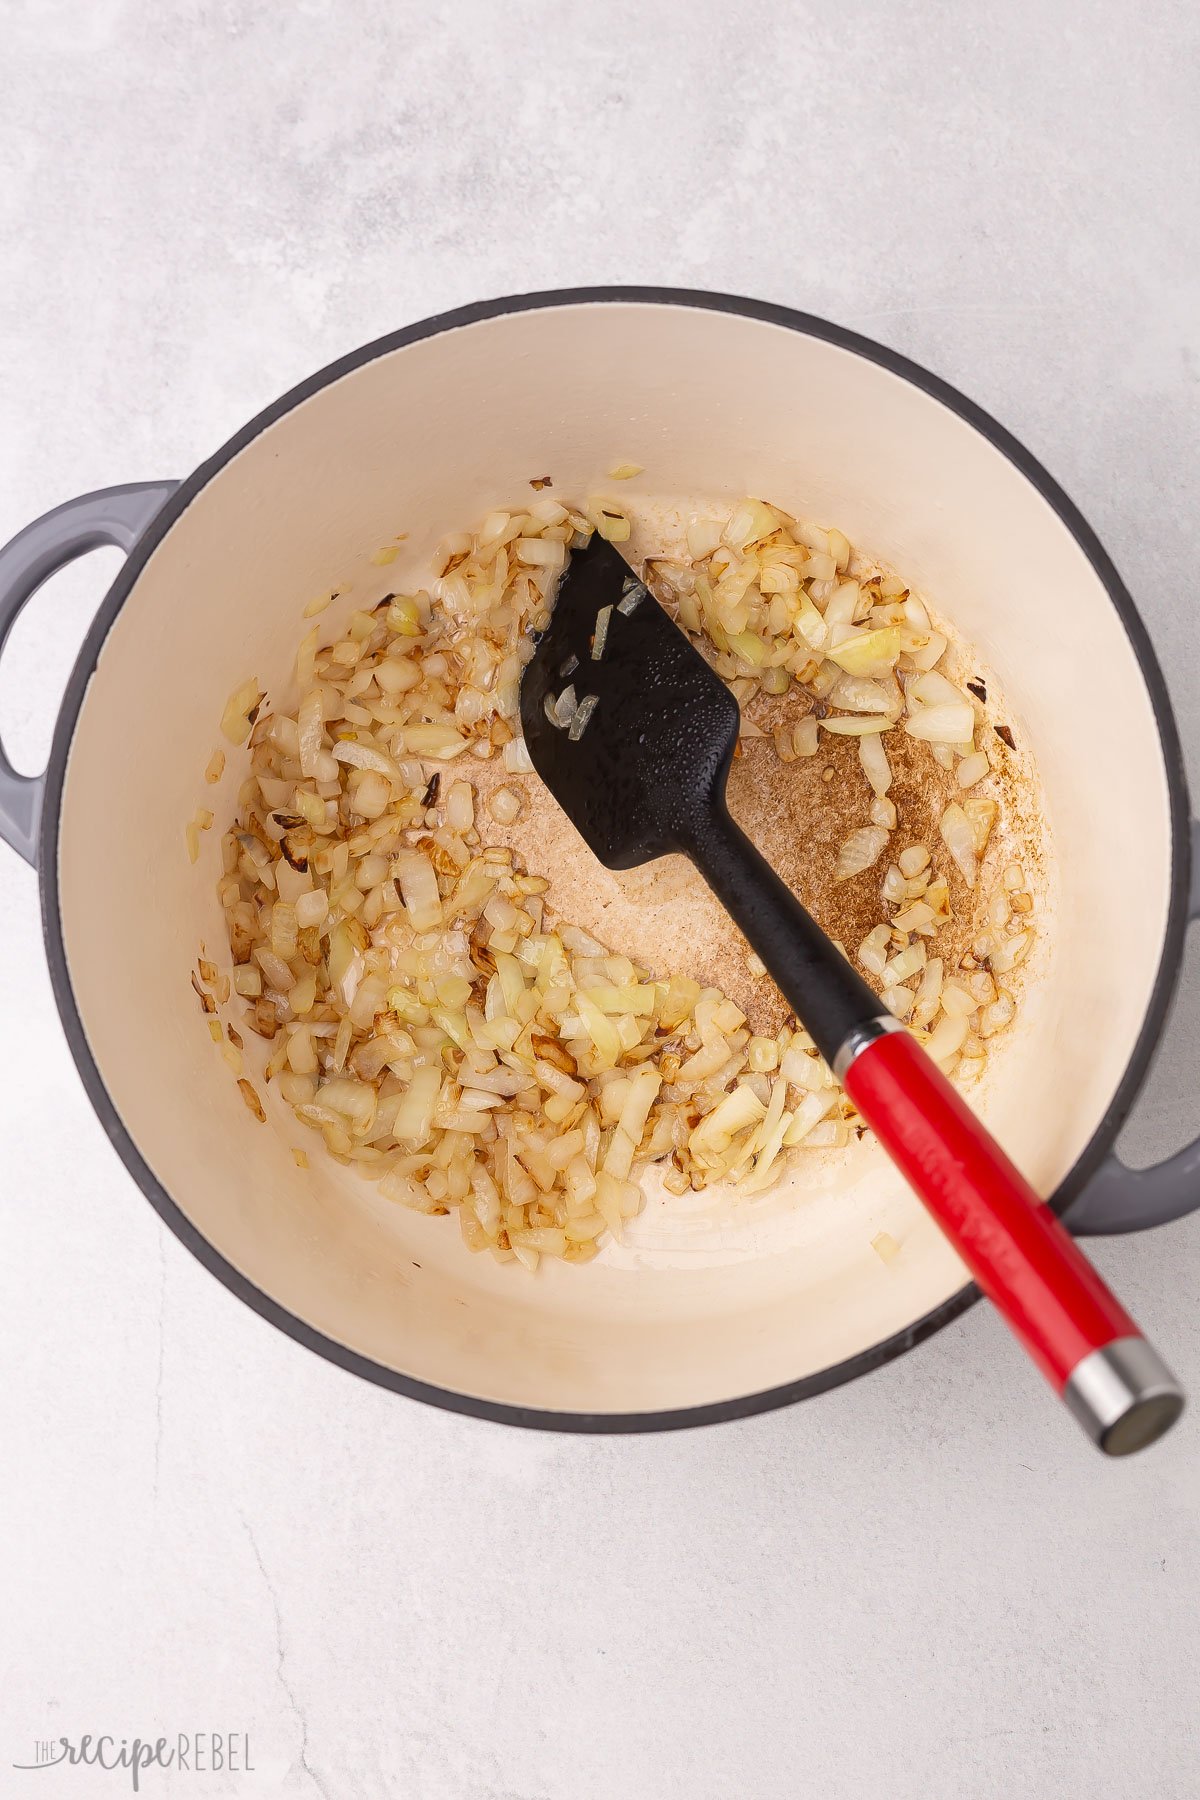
[643,759]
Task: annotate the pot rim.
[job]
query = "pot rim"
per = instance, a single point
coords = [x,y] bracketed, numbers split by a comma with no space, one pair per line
[766,312]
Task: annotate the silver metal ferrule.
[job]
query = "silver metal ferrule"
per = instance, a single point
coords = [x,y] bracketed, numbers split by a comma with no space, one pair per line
[861,1038]
[1124,1396]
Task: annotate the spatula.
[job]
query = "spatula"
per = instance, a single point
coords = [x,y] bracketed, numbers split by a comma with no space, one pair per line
[633,734]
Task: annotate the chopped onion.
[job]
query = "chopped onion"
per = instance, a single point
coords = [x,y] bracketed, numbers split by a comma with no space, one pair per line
[240,708]
[414,1119]
[1010,952]
[997,1015]
[808,1115]
[861,850]
[915,917]
[439,741]
[632,1122]
[608,521]
[600,636]
[583,713]
[460,806]
[804,736]
[362,756]
[870,653]
[861,725]
[516,757]
[929,993]
[950,724]
[895,887]
[958,835]
[876,768]
[898,1000]
[310,731]
[947,1037]
[396,675]
[542,553]
[859,693]
[872,952]
[718,1128]
[982,814]
[703,536]
[414,876]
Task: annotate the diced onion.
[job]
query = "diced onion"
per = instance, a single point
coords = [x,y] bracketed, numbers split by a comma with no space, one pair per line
[804,736]
[972,769]
[504,806]
[873,951]
[876,767]
[236,720]
[958,835]
[703,536]
[949,724]
[608,521]
[414,876]
[310,730]
[516,757]
[870,653]
[859,725]
[913,860]
[1010,952]
[414,997]
[362,756]
[861,850]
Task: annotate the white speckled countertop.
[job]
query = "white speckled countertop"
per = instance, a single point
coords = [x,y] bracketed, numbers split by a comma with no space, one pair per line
[922,1587]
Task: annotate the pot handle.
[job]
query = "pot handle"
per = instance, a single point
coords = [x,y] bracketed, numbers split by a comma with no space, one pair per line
[115,515]
[1118,1199]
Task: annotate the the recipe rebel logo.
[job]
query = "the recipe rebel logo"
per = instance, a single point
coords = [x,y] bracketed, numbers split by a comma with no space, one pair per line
[198,1753]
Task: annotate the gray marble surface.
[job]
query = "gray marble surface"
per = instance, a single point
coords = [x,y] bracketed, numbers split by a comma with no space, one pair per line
[922,1587]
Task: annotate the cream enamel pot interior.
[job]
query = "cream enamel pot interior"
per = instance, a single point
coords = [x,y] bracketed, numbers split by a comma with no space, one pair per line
[711,1311]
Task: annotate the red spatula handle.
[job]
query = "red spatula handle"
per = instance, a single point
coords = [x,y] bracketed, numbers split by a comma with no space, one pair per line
[1026,1262]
